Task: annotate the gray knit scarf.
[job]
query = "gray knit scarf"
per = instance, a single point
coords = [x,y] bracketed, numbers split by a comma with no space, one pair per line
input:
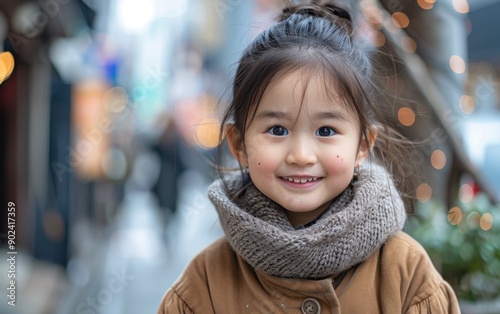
[358,222]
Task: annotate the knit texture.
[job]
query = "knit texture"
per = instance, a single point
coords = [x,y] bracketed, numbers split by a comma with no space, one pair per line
[358,222]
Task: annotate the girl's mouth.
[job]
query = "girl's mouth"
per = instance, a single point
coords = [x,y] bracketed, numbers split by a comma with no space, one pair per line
[300,180]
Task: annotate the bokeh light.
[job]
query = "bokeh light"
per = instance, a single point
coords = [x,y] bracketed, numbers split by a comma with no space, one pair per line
[466,193]
[207,133]
[467,104]
[455,216]
[3,71]
[408,44]
[378,39]
[438,159]
[473,220]
[486,222]
[135,15]
[400,19]
[406,116]
[424,192]
[6,65]
[457,64]
[461,6]
[373,14]
[426,5]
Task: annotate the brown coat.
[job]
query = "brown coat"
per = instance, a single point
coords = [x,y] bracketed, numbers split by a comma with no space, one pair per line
[397,278]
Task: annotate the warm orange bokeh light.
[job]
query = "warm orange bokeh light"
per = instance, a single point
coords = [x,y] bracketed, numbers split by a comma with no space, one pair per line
[486,222]
[207,133]
[406,116]
[457,64]
[91,125]
[467,104]
[424,4]
[373,14]
[408,44]
[438,159]
[6,65]
[400,19]
[424,192]
[455,216]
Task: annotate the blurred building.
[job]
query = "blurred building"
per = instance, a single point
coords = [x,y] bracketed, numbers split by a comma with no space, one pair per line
[483,104]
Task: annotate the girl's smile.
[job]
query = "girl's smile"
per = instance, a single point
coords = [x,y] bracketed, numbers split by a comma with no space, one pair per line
[301,182]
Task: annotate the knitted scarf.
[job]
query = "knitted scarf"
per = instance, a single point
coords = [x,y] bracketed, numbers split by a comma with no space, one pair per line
[358,222]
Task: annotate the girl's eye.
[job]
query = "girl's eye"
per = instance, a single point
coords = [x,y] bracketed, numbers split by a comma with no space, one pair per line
[325,131]
[278,130]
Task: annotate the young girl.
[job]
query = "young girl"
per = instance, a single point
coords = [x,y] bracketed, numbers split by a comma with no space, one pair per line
[313,221]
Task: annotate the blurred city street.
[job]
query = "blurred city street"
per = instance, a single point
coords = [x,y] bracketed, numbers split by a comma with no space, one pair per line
[141,255]
[126,267]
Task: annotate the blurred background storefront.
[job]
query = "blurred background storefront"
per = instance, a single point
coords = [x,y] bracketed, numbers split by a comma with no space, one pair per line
[108,126]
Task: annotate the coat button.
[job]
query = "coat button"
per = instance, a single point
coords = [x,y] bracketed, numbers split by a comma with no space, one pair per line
[311,306]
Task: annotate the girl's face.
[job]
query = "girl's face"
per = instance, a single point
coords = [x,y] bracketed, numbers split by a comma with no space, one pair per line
[301,147]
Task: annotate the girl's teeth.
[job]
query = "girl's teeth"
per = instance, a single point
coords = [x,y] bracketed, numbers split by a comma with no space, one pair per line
[300,180]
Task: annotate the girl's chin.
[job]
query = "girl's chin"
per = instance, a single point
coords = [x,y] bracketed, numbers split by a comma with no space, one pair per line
[304,215]
[302,210]
[307,209]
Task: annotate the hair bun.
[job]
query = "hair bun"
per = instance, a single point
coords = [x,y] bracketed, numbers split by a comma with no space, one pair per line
[324,9]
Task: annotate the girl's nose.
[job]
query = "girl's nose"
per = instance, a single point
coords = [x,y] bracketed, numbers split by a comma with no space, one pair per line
[301,152]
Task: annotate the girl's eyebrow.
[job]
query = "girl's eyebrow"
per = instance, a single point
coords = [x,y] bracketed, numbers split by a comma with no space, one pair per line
[325,115]
[335,115]
[268,114]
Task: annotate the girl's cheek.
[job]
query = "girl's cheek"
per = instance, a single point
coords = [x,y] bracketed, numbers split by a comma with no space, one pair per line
[262,166]
[338,163]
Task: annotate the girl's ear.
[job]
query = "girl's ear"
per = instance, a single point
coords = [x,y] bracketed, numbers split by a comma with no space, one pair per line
[235,143]
[365,148]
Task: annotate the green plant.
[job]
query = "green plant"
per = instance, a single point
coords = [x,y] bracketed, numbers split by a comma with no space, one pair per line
[463,243]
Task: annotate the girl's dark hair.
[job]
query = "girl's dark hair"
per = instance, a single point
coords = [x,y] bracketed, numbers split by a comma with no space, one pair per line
[315,37]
